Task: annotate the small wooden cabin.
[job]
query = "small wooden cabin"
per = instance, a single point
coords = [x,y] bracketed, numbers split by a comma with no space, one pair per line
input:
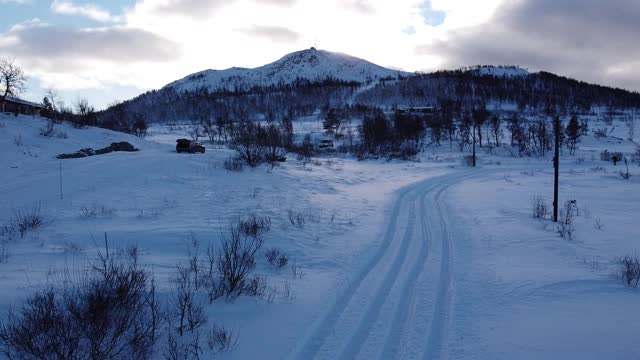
[18,106]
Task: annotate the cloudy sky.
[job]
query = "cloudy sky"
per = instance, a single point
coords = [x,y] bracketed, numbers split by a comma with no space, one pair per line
[114,50]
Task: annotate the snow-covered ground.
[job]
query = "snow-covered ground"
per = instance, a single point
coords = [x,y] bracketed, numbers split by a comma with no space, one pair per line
[407,260]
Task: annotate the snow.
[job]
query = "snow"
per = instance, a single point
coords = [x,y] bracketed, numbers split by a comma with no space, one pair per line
[311,64]
[501,71]
[532,294]
[163,199]
[404,260]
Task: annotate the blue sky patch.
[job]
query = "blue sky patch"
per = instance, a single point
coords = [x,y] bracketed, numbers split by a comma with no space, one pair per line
[409,30]
[14,13]
[431,16]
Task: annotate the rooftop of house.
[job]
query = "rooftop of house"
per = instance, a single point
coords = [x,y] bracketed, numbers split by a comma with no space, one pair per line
[23,102]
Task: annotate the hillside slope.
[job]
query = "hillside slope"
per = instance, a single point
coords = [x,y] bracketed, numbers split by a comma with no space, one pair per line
[310,64]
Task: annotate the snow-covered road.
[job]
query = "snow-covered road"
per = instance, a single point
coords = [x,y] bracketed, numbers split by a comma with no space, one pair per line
[397,304]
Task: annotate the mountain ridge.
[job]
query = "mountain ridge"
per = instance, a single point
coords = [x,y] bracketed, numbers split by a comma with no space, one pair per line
[304,82]
[310,64]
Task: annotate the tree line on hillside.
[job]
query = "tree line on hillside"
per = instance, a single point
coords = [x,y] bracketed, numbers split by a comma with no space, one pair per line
[537,92]
[169,105]
[402,134]
[398,134]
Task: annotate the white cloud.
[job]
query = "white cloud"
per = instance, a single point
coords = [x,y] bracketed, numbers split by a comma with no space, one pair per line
[90,11]
[596,41]
[90,57]
[273,33]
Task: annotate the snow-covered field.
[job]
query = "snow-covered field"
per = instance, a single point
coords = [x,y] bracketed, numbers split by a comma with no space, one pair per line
[424,259]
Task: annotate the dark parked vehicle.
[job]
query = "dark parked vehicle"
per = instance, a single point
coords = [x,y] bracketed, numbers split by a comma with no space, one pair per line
[326,144]
[186,145]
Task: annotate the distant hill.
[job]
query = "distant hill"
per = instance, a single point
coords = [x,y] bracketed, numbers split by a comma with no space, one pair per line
[306,81]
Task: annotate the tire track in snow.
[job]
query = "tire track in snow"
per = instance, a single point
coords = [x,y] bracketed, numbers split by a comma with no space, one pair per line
[358,315]
[310,345]
[441,313]
[409,319]
[352,347]
[398,329]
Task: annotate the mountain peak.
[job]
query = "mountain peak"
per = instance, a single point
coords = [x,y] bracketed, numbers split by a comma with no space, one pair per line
[309,64]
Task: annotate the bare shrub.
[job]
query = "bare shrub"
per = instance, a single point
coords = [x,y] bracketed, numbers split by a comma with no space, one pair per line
[276,258]
[195,265]
[107,212]
[625,173]
[221,339]
[94,210]
[600,133]
[211,279]
[109,313]
[188,311]
[17,140]
[631,270]
[282,261]
[88,211]
[539,207]
[256,286]
[182,347]
[235,261]
[29,219]
[246,140]
[234,164]
[567,216]
[296,271]
[274,141]
[254,225]
[4,250]
[8,232]
[296,218]
[598,224]
[272,255]
[48,131]
[287,292]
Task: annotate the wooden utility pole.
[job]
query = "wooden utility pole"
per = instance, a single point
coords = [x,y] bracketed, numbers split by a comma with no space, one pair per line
[557,129]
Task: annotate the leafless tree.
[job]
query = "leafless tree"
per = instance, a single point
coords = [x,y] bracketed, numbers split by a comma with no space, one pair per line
[12,79]
[209,128]
[51,93]
[82,107]
[630,121]
[85,113]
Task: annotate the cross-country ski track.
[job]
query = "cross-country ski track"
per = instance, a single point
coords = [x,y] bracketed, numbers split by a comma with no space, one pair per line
[398,304]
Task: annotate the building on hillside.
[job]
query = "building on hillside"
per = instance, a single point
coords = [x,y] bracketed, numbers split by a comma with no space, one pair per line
[19,106]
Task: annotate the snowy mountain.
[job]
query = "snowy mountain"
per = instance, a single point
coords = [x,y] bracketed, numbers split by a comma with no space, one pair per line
[210,93]
[310,64]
